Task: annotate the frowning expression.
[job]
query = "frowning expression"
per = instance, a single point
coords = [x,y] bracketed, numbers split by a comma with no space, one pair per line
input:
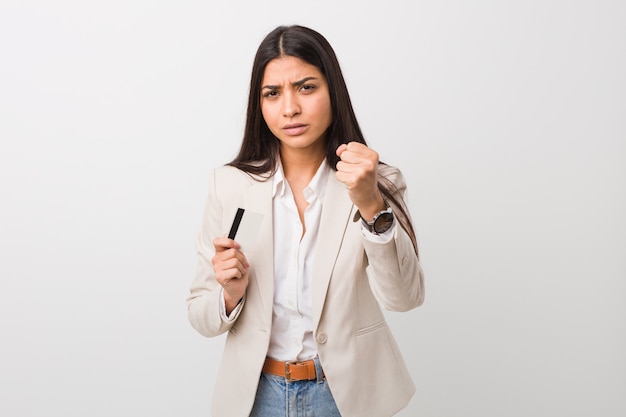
[295,103]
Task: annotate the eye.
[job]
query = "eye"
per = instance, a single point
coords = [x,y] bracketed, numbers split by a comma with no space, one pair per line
[270,94]
[307,88]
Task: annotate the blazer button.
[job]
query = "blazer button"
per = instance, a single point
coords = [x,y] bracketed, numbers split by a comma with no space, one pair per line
[322,338]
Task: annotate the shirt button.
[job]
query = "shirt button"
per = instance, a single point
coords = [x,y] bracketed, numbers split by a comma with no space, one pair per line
[322,338]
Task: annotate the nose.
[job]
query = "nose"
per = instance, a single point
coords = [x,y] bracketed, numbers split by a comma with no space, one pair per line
[291,106]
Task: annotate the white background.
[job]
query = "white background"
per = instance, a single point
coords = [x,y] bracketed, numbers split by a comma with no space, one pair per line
[508,119]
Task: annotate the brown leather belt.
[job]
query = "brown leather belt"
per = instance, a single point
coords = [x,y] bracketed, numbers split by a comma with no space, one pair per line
[291,371]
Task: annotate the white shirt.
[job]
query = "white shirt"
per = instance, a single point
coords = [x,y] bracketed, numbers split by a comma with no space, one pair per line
[292,324]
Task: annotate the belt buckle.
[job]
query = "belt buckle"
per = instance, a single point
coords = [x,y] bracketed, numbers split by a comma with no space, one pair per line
[287,370]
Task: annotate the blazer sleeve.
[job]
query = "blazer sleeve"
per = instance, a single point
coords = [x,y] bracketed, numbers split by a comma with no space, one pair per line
[394,271]
[203,302]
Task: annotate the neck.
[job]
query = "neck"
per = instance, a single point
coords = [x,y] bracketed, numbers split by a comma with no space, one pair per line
[300,168]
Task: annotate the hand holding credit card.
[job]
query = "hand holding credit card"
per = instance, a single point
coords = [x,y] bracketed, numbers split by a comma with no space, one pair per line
[245,227]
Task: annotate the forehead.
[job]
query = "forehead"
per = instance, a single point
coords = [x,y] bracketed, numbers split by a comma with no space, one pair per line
[289,69]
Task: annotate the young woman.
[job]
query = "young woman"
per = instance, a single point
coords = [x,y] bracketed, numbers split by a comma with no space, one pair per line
[302,302]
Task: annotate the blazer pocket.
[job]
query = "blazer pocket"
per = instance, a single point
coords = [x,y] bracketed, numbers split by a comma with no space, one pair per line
[371,328]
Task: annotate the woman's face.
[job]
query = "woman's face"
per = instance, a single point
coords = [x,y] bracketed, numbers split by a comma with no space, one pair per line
[295,103]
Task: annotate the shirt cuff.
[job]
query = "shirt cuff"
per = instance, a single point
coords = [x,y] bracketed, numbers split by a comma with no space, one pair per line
[384,237]
[233,314]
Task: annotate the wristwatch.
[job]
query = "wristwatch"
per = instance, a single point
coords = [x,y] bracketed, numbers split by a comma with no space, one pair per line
[381,222]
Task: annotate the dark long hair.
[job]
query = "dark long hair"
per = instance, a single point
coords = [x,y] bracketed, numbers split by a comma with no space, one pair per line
[260,149]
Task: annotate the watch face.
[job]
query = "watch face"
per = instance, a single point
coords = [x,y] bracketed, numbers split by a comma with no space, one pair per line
[383,222]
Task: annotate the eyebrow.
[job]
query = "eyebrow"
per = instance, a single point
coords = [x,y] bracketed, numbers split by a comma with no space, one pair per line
[295,83]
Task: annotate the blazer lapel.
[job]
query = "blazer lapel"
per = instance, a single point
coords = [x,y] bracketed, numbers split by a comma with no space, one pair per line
[258,198]
[336,215]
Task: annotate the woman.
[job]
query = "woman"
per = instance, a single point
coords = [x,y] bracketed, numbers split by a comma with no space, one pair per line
[302,302]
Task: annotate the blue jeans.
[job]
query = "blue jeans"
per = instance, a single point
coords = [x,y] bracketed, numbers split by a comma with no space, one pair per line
[277,397]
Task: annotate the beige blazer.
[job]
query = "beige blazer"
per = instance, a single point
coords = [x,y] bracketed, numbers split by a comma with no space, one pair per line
[354,278]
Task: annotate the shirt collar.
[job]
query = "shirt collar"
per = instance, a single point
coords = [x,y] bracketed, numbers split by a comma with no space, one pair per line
[317,186]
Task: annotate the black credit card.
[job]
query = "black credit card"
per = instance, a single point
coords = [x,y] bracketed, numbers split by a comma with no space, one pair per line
[236,223]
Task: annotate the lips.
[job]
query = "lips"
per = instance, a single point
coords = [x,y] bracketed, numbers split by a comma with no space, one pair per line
[295,129]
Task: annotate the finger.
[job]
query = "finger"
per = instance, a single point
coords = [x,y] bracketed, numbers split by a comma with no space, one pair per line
[228,256]
[358,163]
[341,149]
[358,155]
[223,243]
[345,167]
[226,271]
[357,147]
[345,178]
[362,151]
[350,157]
[227,275]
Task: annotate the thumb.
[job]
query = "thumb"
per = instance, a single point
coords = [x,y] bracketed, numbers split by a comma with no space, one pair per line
[341,149]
